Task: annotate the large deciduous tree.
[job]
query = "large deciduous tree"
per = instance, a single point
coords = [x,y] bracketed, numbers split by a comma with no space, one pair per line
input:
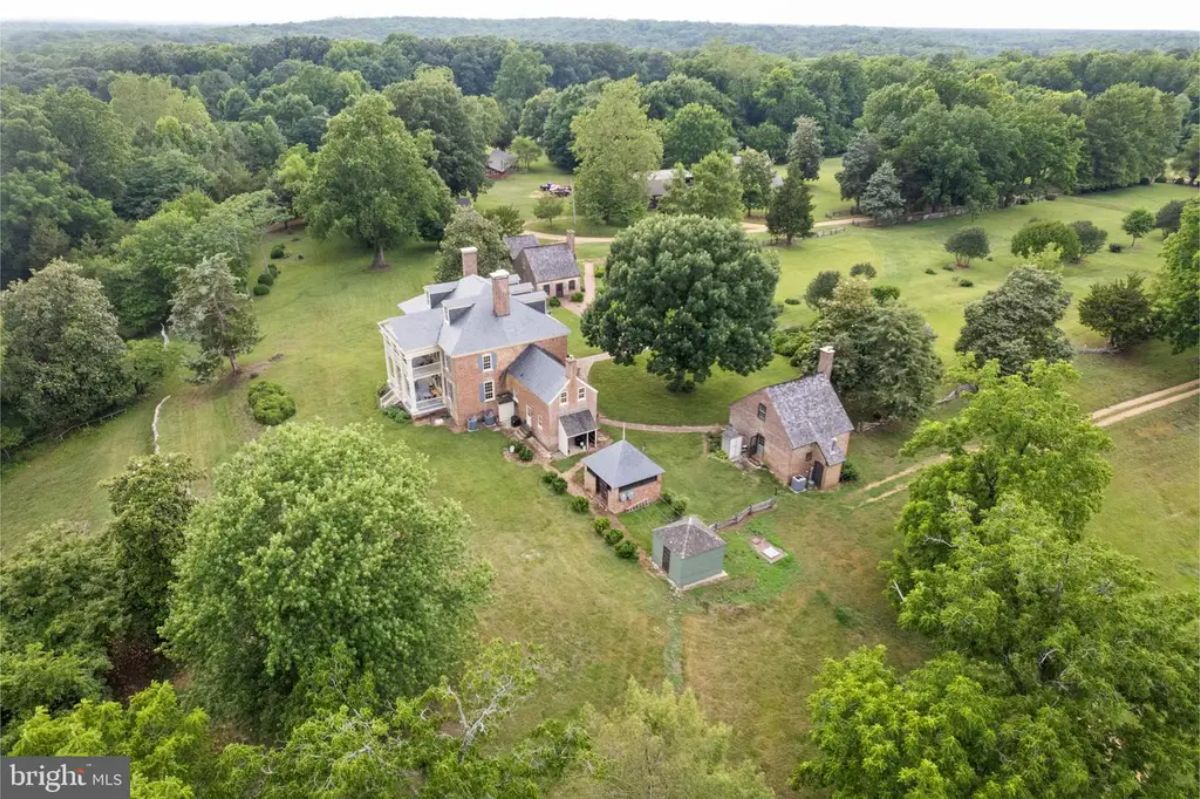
[469,228]
[616,146]
[1016,324]
[1120,311]
[318,537]
[716,191]
[859,162]
[431,101]
[62,354]
[1177,284]
[790,212]
[693,291]
[756,173]
[209,311]
[693,132]
[370,179]
[1035,236]
[886,367]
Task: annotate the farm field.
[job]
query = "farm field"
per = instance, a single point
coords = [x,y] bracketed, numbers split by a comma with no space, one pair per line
[556,584]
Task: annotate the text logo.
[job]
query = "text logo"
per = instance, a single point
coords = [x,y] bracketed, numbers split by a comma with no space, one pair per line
[70,777]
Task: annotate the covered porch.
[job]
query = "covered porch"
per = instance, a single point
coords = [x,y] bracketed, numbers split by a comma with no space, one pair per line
[576,432]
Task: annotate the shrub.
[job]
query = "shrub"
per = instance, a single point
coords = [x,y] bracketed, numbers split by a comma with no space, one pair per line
[1037,236]
[578,504]
[266,278]
[965,283]
[601,525]
[260,289]
[300,257]
[278,251]
[677,503]
[523,452]
[821,288]
[1091,238]
[557,482]
[849,473]
[554,302]
[626,550]
[790,341]
[1051,196]
[270,404]
[273,269]
[845,616]
[577,296]
[948,267]
[968,243]
[930,270]
[397,414]
[792,300]
[599,272]
[885,294]
[612,536]
[864,270]
[1115,247]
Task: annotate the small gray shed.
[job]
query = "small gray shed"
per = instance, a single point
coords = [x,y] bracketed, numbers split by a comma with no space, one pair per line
[688,551]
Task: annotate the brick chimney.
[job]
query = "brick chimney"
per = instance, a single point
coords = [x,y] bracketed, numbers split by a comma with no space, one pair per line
[572,373]
[571,241]
[470,261]
[825,361]
[500,298]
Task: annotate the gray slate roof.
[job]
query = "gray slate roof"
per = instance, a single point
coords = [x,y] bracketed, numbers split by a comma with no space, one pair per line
[811,414]
[540,372]
[621,464]
[474,327]
[547,262]
[688,536]
[578,423]
[501,160]
[518,243]
[659,180]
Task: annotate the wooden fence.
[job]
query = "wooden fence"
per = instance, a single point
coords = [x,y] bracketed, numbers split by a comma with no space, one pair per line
[745,513]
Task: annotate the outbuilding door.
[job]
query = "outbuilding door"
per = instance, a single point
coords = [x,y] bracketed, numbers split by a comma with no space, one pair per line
[817,473]
[666,560]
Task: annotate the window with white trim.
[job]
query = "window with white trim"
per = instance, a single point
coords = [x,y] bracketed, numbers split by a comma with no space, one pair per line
[762,411]
[487,362]
[489,391]
[562,398]
[582,394]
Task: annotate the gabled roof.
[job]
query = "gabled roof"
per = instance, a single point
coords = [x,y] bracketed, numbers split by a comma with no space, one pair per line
[547,262]
[458,317]
[811,414]
[501,160]
[518,243]
[689,536]
[659,180]
[621,464]
[540,372]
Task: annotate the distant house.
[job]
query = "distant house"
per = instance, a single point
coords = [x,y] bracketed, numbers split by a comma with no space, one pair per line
[485,351]
[500,163]
[550,267]
[794,428]
[688,552]
[621,477]
[658,181]
[776,181]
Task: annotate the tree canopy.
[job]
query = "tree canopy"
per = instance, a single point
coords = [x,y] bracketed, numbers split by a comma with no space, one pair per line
[1016,324]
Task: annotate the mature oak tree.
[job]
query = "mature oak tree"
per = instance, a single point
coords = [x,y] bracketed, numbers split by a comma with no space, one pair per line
[1016,324]
[431,101]
[370,179]
[1120,311]
[693,132]
[1177,284]
[693,291]
[315,537]
[469,228]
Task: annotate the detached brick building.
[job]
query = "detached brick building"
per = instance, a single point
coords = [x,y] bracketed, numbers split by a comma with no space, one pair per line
[549,267]
[484,351]
[621,477]
[794,428]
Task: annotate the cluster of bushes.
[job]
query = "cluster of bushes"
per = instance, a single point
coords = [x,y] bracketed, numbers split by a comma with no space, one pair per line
[555,481]
[578,504]
[849,473]
[676,503]
[884,294]
[278,251]
[623,547]
[966,283]
[524,453]
[266,280]
[577,296]
[554,302]
[792,300]
[270,404]
[864,270]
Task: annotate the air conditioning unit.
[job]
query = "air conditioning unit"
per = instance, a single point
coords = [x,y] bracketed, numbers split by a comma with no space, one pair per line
[799,483]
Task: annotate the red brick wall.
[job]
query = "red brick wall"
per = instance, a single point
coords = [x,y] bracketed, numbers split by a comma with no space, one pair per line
[642,495]
[464,372]
[780,459]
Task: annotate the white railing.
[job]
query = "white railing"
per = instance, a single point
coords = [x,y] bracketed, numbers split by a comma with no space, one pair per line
[427,370]
[420,406]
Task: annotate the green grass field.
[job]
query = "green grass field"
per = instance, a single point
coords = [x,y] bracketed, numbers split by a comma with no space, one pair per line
[749,646]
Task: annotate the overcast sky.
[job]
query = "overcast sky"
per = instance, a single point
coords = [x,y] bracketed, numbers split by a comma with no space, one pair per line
[892,13]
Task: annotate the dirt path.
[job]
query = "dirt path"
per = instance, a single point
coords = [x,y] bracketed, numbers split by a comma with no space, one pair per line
[662,428]
[585,363]
[589,290]
[1102,418]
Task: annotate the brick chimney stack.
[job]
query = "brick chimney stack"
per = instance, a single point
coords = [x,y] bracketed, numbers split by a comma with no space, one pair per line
[571,241]
[825,361]
[572,373]
[470,261]
[500,297]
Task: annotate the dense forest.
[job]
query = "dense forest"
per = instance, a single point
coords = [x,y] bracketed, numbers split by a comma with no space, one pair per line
[657,34]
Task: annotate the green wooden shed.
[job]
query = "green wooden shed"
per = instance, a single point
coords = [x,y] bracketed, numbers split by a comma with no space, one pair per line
[688,552]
